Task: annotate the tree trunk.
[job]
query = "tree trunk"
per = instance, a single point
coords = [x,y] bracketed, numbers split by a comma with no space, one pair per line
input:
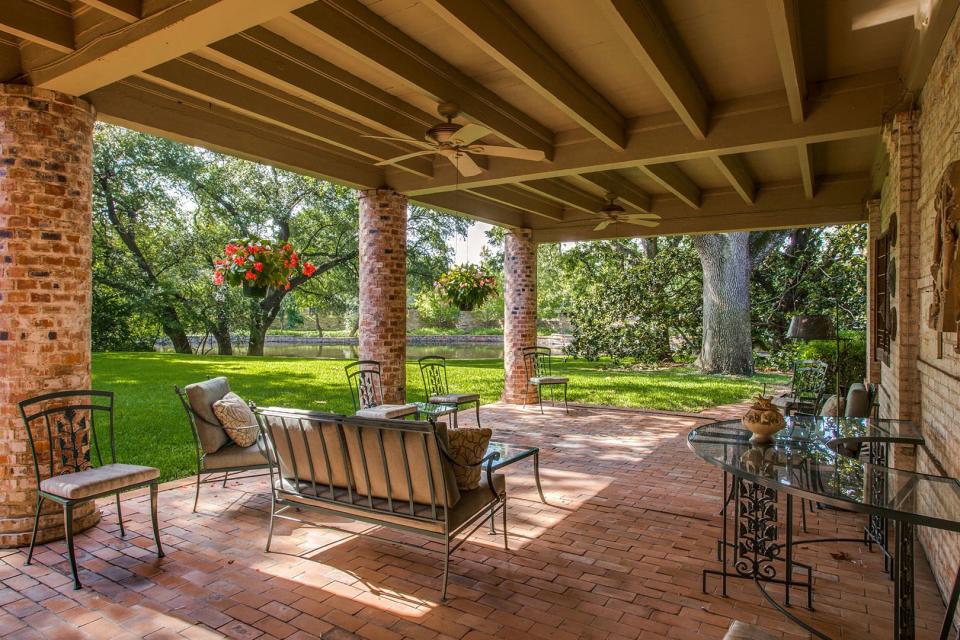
[170,323]
[221,334]
[649,247]
[727,345]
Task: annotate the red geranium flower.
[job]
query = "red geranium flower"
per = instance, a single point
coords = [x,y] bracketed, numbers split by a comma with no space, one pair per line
[218,277]
[308,269]
[238,261]
[258,266]
[250,275]
[230,249]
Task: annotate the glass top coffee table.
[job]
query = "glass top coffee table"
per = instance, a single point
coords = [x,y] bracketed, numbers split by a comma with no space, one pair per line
[510,453]
[433,411]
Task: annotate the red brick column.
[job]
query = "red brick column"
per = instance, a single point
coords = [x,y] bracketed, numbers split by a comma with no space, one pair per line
[45,283]
[519,311]
[383,287]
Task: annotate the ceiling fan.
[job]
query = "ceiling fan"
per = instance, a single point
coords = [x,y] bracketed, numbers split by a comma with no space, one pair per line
[456,142]
[615,213]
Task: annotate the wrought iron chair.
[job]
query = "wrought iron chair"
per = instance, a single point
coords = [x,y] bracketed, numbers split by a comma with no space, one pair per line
[64,425]
[215,452]
[436,387]
[807,387]
[366,392]
[538,364]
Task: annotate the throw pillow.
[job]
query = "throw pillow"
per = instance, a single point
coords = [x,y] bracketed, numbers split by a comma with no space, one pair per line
[237,419]
[467,447]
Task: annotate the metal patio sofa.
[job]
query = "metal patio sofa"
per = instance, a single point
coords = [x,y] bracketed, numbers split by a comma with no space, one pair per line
[392,473]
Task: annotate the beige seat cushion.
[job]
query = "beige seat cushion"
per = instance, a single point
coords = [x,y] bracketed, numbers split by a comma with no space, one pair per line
[549,380]
[202,395]
[475,500]
[237,419]
[858,402]
[388,411]
[91,482]
[455,398]
[830,408]
[467,448]
[233,457]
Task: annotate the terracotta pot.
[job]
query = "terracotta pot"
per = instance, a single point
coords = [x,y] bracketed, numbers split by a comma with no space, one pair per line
[763,420]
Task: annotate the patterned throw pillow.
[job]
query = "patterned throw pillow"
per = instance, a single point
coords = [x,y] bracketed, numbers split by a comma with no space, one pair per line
[237,419]
[468,446]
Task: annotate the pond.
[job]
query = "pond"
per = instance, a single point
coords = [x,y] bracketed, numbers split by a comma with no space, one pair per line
[459,351]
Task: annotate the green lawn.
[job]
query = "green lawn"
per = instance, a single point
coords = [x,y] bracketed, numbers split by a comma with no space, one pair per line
[152,428]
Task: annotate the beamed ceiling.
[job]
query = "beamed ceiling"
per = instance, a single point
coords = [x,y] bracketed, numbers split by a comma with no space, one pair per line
[717,115]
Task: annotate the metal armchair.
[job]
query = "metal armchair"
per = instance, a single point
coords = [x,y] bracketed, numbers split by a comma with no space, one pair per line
[62,428]
[366,392]
[436,387]
[538,364]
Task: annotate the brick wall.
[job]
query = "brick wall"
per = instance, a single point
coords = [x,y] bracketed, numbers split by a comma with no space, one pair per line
[383,287]
[939,377]
[922,381]
[45,282]
[519,311]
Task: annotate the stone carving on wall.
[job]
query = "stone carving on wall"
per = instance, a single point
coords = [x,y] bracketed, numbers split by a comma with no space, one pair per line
[944,314]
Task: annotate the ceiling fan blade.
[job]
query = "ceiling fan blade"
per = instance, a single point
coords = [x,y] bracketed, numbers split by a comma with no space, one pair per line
[643,223]
[469,133]
[416,143]
[603,225]
[534,155]
[642,216]
[463,162]
[404,157]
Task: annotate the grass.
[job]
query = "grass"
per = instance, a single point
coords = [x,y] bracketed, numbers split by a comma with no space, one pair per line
[152,428]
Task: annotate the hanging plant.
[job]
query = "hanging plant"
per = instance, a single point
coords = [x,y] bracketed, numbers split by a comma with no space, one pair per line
[466,287]
[257,264]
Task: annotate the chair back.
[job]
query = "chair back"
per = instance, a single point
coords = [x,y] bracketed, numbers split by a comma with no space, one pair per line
[809,378]
[388,466]
[433,372]
[62,430]
[537,361]
[366,389]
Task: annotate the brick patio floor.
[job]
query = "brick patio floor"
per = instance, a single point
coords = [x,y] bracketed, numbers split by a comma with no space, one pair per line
[617,553]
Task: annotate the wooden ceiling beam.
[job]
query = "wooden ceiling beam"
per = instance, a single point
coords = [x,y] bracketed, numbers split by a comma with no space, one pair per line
[523,200]
[638,26]
[777,207]
[211,82]
[735,170]
[462,203]
[164,35]
[273,60]
[37,23]
[807,177]
[671,178]
[851,108]
[138,104]
[352,25]
[785,26]
[626,191]
[495,28]
[560,191]
[126,10]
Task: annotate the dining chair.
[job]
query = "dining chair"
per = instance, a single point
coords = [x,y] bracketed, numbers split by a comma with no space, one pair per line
[538,364]
[436,386]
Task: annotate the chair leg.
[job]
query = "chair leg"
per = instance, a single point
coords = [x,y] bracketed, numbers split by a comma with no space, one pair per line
[540,398]
[153,516]
[120,517]
[478,414]
[493,515]
[196,496]
[36,525]
[951,609]
[506,546]
[566,407]
[446,568]
[273,510]
[226,474]
[68,529]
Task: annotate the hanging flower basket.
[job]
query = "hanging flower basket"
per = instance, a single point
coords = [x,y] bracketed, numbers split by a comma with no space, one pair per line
[466,287]
[257,264]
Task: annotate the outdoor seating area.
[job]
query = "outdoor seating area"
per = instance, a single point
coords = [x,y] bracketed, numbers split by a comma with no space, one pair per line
[616,550]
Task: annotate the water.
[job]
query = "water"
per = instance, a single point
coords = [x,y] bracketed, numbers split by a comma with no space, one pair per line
[350,351]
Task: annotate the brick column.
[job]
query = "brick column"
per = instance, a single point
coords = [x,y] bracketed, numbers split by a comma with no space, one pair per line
[519,311]
[383,287]
[45,283]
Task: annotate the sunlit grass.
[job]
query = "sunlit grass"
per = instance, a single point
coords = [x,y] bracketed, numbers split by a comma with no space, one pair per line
[152,428]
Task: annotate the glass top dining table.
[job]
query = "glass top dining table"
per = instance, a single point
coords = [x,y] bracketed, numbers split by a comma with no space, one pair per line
[823,448]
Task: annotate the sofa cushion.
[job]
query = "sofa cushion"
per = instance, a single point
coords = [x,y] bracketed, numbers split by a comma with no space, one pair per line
[388,411]
[832,407]
[202,395]
[91,482]
[238,421]
[467,448]
[234,457]
[455,398]
[476,500]
[858,402]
